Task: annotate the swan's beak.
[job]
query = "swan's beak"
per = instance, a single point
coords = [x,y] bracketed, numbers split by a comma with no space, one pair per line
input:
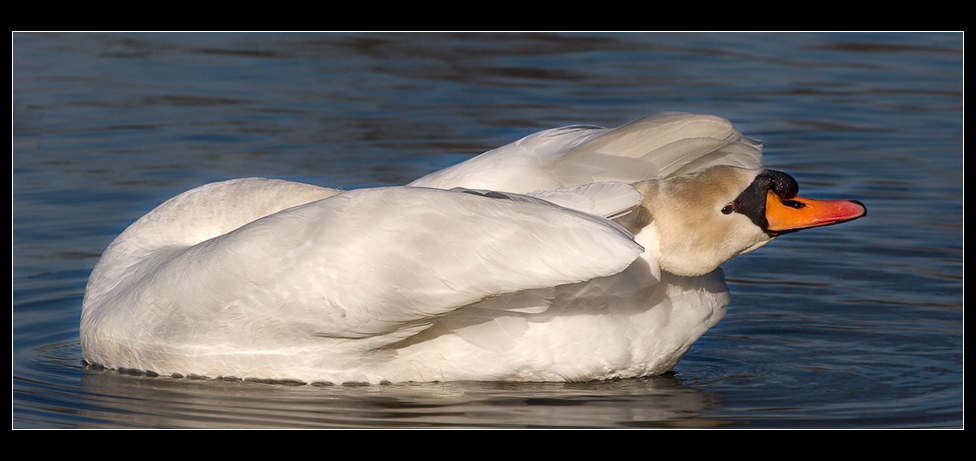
[797,213]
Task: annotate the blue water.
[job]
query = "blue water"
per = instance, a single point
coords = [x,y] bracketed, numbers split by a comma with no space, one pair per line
[853,326]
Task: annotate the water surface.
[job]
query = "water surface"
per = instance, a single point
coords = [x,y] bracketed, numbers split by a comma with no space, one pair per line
[853,326]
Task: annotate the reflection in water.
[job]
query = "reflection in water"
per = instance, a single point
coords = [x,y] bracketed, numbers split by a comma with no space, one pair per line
[115,399]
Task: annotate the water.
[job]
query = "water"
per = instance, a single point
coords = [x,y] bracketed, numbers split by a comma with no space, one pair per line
[853,326]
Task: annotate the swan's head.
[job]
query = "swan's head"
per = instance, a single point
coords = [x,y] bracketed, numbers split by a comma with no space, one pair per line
[697,221]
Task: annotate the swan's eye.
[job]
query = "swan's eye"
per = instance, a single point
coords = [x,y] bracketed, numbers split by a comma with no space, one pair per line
[727,209]
[793,204]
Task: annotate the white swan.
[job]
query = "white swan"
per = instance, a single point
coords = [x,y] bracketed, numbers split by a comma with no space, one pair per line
[270,279]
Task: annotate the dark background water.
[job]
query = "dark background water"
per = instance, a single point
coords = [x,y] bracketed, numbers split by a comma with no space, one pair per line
[854,326]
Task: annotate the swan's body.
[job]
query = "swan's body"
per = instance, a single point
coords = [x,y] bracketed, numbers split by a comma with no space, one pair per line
[271,279]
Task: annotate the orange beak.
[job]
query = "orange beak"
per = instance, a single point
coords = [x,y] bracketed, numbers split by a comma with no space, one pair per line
[793,214]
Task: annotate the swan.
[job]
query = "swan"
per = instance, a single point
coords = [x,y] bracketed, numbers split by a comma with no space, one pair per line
[576,253]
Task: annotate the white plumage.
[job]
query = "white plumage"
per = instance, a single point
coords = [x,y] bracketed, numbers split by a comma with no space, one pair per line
[458,276]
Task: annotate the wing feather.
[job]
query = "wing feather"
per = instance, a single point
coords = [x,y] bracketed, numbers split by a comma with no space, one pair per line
[375,262]
[656,146]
